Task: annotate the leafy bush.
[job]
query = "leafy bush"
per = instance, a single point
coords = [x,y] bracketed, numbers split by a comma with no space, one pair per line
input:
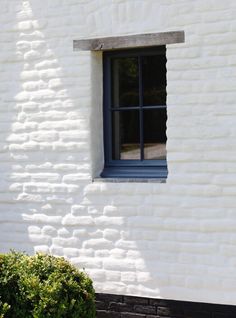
[43,286]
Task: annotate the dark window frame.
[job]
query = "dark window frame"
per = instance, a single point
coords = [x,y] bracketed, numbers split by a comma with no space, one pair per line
[127,168]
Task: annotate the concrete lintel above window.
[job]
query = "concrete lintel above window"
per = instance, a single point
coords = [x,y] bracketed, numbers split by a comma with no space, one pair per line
[129,41]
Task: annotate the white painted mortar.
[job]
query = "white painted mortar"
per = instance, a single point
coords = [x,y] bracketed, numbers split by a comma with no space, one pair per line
[175,240]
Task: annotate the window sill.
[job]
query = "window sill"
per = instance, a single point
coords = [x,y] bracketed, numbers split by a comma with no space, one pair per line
[135,173]
[126,180]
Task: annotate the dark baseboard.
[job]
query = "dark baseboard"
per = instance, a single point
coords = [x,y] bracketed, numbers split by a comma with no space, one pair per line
[118,306]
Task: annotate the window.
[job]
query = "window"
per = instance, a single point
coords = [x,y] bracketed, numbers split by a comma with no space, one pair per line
[135,113]
[134,102]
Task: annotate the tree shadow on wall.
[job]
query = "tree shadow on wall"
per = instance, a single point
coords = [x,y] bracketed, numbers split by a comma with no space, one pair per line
[13,230]
[37,114]
[48,203]
[55,207]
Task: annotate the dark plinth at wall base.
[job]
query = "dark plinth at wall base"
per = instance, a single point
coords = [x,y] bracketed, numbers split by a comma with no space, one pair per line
[118,306]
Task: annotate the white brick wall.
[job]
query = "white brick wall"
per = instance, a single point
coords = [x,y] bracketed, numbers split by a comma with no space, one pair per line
[175,240]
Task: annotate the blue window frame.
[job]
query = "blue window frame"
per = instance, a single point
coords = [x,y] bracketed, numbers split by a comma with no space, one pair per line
[134,101]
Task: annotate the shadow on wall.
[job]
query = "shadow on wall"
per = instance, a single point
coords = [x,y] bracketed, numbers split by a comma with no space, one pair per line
[48,202]
[90,223]
[13,232]
[45,158]
[44,137]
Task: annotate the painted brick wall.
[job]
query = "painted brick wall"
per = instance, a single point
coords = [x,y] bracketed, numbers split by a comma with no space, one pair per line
[175,240]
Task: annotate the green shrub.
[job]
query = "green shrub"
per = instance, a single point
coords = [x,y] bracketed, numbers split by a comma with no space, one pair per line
[43,286]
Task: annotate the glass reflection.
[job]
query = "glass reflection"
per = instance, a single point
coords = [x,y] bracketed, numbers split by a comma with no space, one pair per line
[154,125]
[125,135]
[125,82]
[154,80]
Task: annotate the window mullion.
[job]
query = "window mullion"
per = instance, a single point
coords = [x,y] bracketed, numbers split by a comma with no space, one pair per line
[141,107]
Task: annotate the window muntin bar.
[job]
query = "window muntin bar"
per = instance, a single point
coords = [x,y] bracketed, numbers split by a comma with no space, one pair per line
[137,107]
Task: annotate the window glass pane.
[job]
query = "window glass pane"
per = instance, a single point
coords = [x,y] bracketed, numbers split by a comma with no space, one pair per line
[125,82]
[154,126]
[125,135]
[154,80]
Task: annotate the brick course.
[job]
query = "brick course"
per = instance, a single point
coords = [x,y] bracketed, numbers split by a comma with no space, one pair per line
[140,307]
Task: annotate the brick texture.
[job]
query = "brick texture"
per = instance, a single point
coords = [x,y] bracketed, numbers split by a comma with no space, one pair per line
[140,307]
[173,240]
